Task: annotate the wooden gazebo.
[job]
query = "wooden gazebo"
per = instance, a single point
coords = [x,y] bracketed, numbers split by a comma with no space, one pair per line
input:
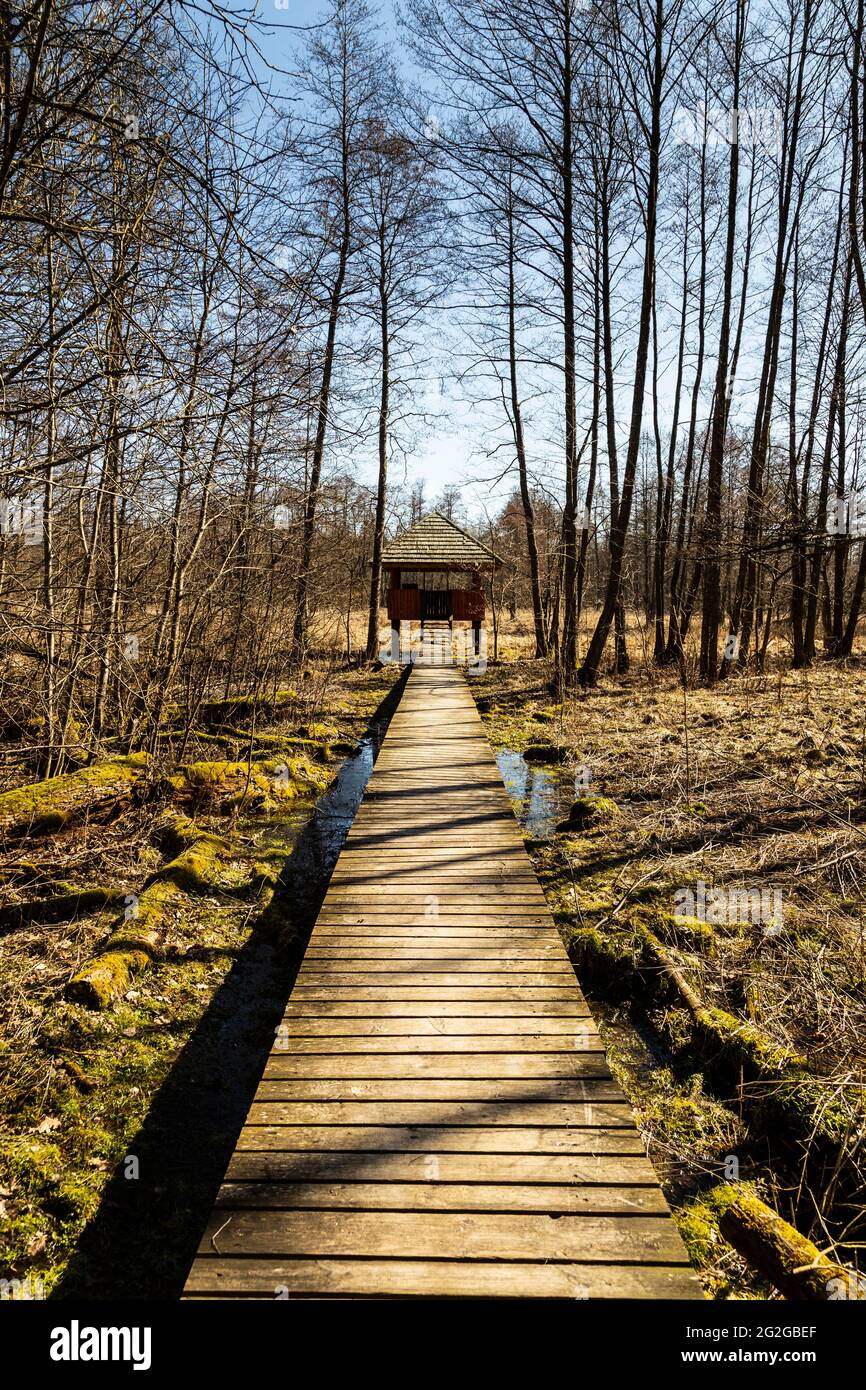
[433,576]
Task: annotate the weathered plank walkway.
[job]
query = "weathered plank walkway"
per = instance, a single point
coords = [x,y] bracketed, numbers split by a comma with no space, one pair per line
[439,1118]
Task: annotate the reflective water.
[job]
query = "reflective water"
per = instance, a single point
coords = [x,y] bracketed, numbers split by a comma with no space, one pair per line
[312,832]
[541,797]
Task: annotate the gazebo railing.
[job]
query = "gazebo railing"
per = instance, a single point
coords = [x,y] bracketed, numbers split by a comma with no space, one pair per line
[406,605]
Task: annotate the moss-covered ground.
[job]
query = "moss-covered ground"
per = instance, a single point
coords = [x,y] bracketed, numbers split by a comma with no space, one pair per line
[117,1120]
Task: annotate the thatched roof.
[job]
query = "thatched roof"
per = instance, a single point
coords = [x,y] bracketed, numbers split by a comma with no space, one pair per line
[436,541]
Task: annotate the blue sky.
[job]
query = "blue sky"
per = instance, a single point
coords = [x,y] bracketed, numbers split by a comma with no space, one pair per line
[451,446]
[447,450]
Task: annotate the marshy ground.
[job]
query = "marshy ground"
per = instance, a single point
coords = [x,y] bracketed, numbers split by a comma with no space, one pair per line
[119,1102]
[741,1043]
[149,940]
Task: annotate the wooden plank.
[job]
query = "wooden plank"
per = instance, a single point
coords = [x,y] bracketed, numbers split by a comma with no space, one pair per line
[476,975]
[406,964]
[438,1008]
[324,1165]
[418,992]
[391,900]
[384,949]
[594,1085]
[426,1235]
[437,1117]
[431,1046]
[392,1196]
[426,935]
[269,1278]
[469,1030]
[534,1113]
[441,1065]
[435,911]
[364,1137]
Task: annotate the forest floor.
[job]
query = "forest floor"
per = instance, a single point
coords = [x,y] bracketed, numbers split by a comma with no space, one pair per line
[146,950]
[704,853]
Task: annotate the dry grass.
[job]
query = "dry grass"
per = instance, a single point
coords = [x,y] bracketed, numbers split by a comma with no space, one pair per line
[760,784]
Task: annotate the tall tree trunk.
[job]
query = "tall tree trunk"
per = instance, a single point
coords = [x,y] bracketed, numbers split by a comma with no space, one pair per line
[314,481]
[816,568]
[712,530]
[567,662]
[382,479]
[619,524]
[519,440]
[743,614]
[585,520]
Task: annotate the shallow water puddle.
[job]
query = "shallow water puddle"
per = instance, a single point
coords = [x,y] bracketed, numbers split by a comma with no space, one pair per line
[312,832]
[541,796]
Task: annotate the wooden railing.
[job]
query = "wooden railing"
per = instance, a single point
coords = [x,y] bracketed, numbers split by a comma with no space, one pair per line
[468,605]
[465,605]
[404,605]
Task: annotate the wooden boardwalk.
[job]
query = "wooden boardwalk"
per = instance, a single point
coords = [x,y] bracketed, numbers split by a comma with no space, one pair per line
[439,1118]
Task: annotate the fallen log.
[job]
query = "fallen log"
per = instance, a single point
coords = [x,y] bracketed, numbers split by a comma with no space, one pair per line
[129,949]
[246,706]
[62,907]
[262,784]
[203,864]
[791,1262]
[775,1082]
[42,807]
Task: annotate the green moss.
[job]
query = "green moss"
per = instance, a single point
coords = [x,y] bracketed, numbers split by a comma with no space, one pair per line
[262,784]
[212,774]
[547,714]
[606,961]
[109,975]
[62,907]
[42,807]
[29,1159]
[293,777]
[197,868]
[745,1044]
[99,1072]
[689,933]
[204,864]
[621,960]
[773,1246]
[783,1088]
[320,733]
[699,1229]
[245,706]
[698,1222]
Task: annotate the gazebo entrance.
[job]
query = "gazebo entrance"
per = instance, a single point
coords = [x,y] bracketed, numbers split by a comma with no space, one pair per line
[435,605]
